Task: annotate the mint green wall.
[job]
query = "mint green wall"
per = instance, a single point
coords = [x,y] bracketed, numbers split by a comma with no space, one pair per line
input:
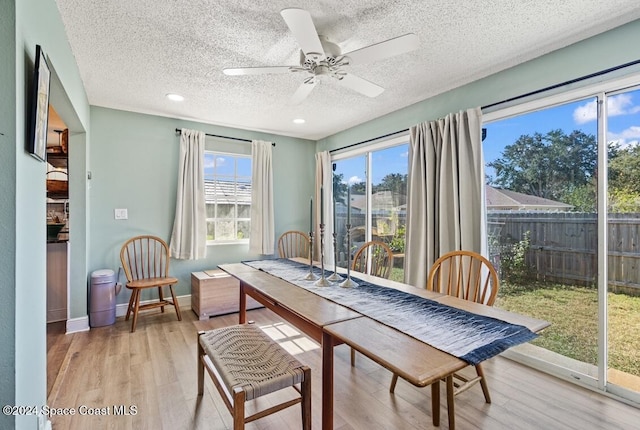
[7,207]
[36,22]
[134,165]
[610,49]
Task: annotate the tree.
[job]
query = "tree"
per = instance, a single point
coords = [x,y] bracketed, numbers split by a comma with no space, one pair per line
[339,188]
[552,166]
[624,169]
[395,182]
[359,188]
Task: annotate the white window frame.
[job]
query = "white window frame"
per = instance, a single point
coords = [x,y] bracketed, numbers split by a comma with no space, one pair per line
[234,155]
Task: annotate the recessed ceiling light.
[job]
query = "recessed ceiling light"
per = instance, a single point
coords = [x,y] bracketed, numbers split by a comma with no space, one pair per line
[175,97]
[299,121]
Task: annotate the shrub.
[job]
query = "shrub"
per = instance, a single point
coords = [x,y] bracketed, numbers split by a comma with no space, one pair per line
[513,262]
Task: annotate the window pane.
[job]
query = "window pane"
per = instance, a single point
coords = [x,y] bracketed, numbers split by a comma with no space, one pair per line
[225,230]
[209,162]
[623,301]
[244,167]
[244,211]
[211,210]
[226,211]
[388,174]
[347,173]
[224,165]
[542,227]
[211,232]
[243,229]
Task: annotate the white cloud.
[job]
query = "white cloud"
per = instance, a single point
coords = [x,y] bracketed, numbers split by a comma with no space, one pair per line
[626,138]
[220,161]
[405,154]
[354,180]
[616,105]
[585,113]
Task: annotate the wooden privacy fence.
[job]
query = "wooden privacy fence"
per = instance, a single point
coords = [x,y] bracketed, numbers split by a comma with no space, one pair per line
[563,246]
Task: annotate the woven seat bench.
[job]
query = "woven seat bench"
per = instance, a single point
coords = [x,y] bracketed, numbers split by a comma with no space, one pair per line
[244,364]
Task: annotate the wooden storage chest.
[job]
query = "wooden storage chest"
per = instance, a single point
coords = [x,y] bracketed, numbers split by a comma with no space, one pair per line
[214,292]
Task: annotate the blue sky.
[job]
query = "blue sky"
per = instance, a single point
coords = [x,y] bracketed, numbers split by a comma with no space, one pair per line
[386,161]
[227,165]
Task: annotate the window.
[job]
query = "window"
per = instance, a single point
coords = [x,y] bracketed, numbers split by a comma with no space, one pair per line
[377,178]
[227,184]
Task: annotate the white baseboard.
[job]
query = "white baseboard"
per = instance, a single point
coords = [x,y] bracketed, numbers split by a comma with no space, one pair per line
[183,301]
[75,325]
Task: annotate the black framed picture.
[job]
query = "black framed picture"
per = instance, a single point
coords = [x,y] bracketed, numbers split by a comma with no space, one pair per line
[39,117]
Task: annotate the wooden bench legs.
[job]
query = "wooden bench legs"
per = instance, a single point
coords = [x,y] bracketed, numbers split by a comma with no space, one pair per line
[237,386]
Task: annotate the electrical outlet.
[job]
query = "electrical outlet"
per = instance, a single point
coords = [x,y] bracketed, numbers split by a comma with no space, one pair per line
[121,214]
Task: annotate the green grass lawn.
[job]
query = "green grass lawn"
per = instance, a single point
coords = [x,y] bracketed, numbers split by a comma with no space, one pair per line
[573,314]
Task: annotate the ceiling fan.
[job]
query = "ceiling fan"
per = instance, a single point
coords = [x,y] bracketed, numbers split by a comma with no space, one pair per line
[319,57]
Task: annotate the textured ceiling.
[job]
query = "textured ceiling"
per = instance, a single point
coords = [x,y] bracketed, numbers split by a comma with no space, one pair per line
[132,52]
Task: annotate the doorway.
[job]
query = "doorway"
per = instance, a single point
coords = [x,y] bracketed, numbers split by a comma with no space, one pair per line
[57,217]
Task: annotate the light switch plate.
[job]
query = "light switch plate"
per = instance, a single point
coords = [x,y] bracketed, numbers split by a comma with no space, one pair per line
[121,214]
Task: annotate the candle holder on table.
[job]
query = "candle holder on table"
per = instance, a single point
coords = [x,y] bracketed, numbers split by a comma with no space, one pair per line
[322,282]
[310,276]
[335,277]
[348,283]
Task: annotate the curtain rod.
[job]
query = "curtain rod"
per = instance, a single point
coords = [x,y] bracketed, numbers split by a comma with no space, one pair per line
[569,82]
[225,137]
[368,140]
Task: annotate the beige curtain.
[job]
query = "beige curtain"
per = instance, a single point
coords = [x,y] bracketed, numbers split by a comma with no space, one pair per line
[189,236]
[324,179]
[445,209]
[261,237]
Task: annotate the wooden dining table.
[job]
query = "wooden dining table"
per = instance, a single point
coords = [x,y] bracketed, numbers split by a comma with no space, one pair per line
[332,324]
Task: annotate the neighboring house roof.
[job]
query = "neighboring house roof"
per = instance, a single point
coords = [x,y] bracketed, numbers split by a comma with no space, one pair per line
[499,199]
[383,201]
[224,192]
[496,198]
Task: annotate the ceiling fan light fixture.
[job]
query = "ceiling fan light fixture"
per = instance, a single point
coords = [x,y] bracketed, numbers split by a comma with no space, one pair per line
[320,58]
[174,97]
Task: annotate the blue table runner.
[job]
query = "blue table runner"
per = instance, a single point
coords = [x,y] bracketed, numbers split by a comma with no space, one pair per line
[470,337]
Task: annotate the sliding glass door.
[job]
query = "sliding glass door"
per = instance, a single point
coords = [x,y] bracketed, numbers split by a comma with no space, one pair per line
[563,205]
[350,192]
[542,226]
[371,188]
[623,273]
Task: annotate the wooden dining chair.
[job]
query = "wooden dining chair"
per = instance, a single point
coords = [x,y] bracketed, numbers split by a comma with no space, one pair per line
[469,276]
[145,260]
[373,258]
[293,243]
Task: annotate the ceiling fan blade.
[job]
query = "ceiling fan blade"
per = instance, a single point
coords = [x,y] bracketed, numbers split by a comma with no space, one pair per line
[301,25]
[257,70]
[388,48]
[361,85]
[302,92]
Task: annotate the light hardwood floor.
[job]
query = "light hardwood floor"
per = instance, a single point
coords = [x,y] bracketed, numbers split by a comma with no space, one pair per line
[154,371]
